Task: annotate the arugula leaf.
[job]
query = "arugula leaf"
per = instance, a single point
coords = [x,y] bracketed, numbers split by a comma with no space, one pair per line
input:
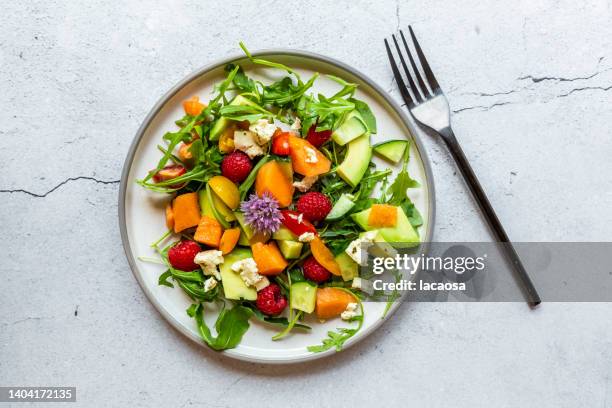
[369,120]
[241,80]
[230,325]
[402,183]
[277,321]
[163,279]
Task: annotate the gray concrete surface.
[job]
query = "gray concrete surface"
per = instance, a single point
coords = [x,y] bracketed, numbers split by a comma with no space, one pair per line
[530,83]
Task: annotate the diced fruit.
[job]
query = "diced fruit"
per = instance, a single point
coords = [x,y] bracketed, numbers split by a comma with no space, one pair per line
[303,296]
[268,258]
[324,256]
[181,256]
[296,223]
[222,123]
[344,204]
[381,248]
[259,237]
[348,268]
[208,232]
[246,228]
[350,129]
[185,155]
[222,210]
[280,143]
[169,173]
[169,216]
[314,205]
[356,160]
[229,239]
[226,190]
[283,234]
[331,302]
[382,215]
[270,300]
[403,232]
[243,241]
[306,159]
[193,106]
[186,211]
[317,139]
[314,271]
[290,249]
[226,139]
[236,166]
[392,150]
[233,285]
[210,204]
[276,178]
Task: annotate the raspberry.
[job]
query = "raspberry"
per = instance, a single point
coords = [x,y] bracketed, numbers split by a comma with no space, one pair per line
[270,300]
[315,206]
[181,255]
[314,271]
[236,166]
[317,139]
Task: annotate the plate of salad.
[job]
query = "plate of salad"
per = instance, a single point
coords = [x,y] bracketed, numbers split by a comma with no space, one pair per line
[251,188]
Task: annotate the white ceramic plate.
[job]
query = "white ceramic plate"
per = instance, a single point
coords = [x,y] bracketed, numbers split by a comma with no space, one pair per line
[141,212]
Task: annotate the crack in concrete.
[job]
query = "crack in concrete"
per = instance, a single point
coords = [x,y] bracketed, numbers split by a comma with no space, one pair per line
[482,107]
[586,88]
[95,180]
[535,80]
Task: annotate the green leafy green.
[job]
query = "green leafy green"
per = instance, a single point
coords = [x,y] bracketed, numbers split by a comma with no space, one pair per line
[230,326]
[368,118]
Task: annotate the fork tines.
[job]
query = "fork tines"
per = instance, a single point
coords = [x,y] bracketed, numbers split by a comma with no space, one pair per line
[418,90]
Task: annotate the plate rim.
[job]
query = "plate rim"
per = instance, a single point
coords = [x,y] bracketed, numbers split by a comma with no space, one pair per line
[431,202]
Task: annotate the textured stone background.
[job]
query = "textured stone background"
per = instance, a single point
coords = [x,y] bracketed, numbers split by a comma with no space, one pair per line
[530,83]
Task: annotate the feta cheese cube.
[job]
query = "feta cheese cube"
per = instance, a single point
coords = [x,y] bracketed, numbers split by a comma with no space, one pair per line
[247,269]
[349,312]
[297,124]
[306,237]
[210,284]
[311,155]
[306,183]
[246,141]
[357,283]
[263,131]
[208,261]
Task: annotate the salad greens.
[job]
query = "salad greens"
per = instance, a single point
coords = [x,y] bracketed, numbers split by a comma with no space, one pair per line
[232,171]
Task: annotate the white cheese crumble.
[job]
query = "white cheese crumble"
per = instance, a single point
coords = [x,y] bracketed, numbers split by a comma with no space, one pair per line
[299,218]
[208,261]
[306,237]
[354,248]
[247,268]
[357,283]
[306,183]
[311,155]
[246,141]
[263,131]
[210,284]
[297,124]
[349,312]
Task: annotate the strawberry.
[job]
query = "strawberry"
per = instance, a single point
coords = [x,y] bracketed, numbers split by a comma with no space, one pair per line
[317,139]
[314,271]
[314,205]
[270,300]
[181,255]
[280,143]
[296,222]
[236,166]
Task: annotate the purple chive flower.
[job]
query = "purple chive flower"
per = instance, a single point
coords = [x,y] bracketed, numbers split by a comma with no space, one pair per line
[262,213]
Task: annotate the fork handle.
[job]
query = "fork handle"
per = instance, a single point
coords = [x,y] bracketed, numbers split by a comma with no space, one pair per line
[494,223]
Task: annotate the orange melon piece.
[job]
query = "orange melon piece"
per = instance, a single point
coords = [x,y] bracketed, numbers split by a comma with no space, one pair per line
[169,216]
[186,211]
[276,178]
[331,302]
[382,216]
[209,232]
[268,258]
[193,106]
[229,239]
[306,159]
[324,256]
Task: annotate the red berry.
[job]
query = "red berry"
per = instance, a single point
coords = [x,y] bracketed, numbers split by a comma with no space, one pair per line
[236,166]
[314,271]
[181,255]
[314,205]
[270,300]
[317,139]
[280,143]
[296,222]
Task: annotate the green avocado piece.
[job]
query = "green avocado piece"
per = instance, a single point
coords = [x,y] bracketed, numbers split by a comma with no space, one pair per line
[205,205]
[233,285]
[303,296]
[222,123]
[342,206]
[351,128]
[246,228]
[392,150]
[283,234]
[381,248]
[348,267]
[290,249]
[208,207]
[243,240]
[403,232]
[356,161]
